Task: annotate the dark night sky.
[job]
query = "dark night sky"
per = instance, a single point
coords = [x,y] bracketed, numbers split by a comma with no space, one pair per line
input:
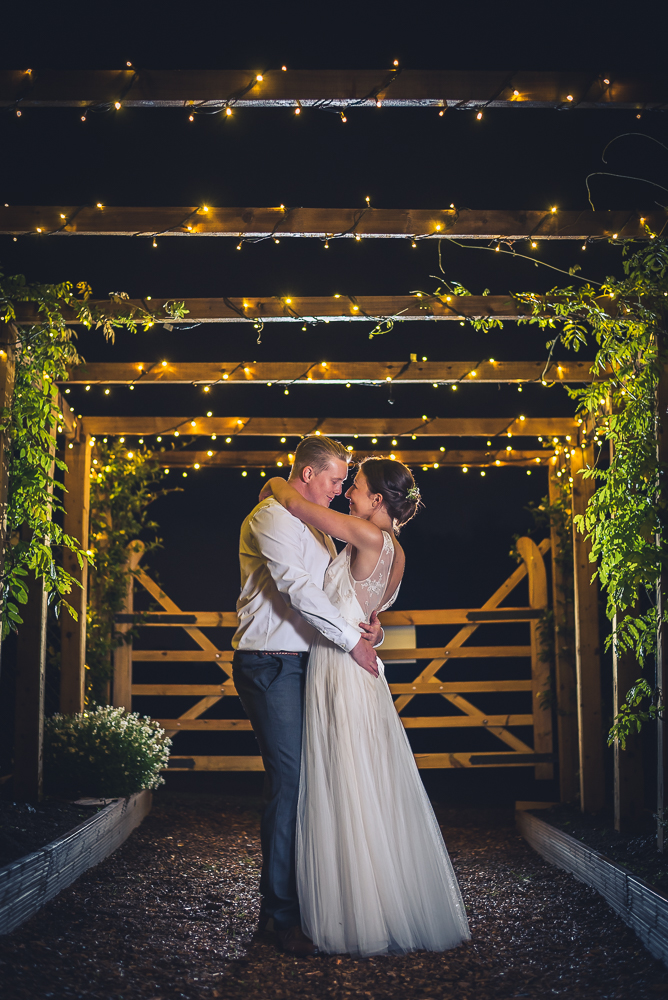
[458,549]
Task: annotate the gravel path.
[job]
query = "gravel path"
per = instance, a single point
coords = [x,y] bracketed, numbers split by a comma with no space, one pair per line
[171,915]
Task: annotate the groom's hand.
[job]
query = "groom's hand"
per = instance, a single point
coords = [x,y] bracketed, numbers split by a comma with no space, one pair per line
[365,655]
[372,629]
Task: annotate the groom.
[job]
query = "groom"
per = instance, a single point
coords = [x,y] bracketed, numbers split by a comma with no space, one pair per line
[282,603]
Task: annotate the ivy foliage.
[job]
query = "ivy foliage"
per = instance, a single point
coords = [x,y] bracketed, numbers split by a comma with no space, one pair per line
[625,519]
[44,348]
[123,485]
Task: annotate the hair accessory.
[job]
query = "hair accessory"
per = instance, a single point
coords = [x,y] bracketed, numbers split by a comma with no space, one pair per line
[413,494]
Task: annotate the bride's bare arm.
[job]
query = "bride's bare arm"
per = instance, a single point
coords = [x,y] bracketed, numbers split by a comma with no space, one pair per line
[362,534]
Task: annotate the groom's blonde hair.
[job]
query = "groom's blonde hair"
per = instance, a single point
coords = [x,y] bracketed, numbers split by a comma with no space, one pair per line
[317,452]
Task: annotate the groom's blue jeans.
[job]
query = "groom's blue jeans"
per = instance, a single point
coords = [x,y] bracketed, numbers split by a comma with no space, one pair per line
[271,688]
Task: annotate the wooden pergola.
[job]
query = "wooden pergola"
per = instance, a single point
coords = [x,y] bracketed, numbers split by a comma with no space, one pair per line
[578,697]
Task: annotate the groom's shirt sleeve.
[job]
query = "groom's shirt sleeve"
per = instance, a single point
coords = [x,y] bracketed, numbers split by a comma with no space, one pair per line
[281,542]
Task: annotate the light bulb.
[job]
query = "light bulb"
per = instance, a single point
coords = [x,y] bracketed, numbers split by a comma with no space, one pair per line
[117,105]
[479,116]
[228,111]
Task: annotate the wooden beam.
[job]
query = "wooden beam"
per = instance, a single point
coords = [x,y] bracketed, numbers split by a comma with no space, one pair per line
[629,797]
[423,760]
[564,659]
[540,667]
[302,308]
[276,461]
[73,633]
[31,674]
[434,687]
[410,722]
[215,89]
[466,652]
[286,373]
[192,621]
[588,660]
[326,223]
[123,654]
[337,427]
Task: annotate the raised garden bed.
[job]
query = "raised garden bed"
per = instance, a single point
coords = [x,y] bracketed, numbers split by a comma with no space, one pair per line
[29,882]
[640,905]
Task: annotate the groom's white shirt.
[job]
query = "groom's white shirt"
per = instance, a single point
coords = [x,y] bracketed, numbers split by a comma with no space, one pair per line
[283,566]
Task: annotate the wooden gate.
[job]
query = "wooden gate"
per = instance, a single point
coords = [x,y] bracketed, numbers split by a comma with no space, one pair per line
[515,753]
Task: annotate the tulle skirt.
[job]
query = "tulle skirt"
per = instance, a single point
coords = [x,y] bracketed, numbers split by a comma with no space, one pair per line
[373,874]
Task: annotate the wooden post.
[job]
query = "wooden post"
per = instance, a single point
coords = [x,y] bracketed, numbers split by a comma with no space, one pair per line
[662,628]
[122,693]
[628,778]
[587,658]
[8,346]
[540,668]
[564,661]
[30,677]
[73,633]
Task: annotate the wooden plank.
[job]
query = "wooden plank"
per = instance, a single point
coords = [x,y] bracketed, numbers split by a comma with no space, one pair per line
[30,882]
[202,725]
[340,88]
[203,656]
[228,619]
[75,523]
[435,687]
[276,460]
[123,655]
[325,373]
[588,661]
[337,427]
[629,778]
[423,761]
[325,223]
[410,722]
[8,349]
[464,721]
[564,661]
[540,667]
[297,308]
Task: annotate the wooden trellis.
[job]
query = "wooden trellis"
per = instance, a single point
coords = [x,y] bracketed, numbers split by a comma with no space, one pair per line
[500,724]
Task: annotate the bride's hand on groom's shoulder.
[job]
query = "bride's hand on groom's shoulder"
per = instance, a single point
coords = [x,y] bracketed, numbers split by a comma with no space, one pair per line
[264,493]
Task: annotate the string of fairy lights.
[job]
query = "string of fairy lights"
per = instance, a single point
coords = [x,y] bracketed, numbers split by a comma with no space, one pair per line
[229,106]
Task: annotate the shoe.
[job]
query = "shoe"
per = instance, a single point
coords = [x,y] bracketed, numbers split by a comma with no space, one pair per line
[265,923]
[294,942]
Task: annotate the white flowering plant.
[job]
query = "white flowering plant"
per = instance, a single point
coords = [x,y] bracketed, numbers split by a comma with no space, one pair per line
[107,752]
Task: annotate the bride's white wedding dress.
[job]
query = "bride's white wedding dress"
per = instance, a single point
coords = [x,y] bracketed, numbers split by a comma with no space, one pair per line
[373,874]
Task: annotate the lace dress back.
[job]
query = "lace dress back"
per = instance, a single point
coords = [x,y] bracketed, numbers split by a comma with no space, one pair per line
[373,874]
[371,593]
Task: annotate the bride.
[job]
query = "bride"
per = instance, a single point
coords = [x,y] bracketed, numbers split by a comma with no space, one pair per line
[373,873]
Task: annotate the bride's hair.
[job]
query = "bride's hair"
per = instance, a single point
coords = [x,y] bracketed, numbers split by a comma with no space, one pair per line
[394,481]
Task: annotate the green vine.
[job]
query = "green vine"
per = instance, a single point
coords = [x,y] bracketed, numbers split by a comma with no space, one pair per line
[44,349]
[624,518]
[123,485]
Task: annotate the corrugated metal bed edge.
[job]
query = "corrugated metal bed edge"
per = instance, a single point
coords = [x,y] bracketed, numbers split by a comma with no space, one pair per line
[30,882]
[640,905]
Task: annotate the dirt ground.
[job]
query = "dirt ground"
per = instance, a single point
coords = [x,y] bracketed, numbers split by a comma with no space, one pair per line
[172,915]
